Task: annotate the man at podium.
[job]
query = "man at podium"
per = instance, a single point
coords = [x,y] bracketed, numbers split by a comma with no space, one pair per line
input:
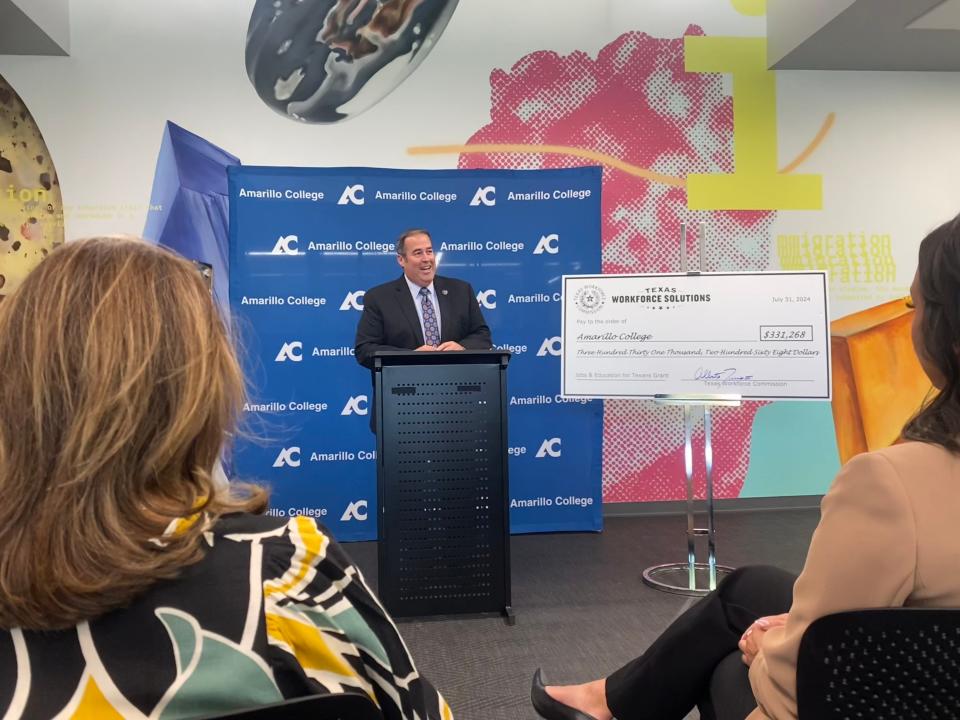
[420,310]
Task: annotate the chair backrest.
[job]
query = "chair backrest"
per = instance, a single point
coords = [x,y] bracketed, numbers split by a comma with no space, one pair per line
[339,706]
[881,663]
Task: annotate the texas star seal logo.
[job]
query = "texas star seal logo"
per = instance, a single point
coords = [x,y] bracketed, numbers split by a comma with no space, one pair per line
[589,299]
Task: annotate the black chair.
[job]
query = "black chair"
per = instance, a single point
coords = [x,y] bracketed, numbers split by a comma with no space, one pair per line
[340,706]
[881,663]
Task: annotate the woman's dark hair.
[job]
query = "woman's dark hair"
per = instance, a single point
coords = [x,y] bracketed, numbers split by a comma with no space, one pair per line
[938,274]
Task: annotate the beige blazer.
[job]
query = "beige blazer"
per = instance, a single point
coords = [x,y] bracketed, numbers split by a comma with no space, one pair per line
[887,537]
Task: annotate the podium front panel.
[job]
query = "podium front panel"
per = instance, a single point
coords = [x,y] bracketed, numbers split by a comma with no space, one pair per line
[443,494]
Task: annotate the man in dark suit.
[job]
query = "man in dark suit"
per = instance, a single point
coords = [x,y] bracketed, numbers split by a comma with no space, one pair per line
[403,313]
[419,310]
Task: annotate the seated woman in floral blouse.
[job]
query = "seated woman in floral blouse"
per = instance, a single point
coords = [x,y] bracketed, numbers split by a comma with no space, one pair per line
[132,583]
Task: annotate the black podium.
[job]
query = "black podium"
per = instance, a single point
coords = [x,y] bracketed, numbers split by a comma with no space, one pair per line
[442,482]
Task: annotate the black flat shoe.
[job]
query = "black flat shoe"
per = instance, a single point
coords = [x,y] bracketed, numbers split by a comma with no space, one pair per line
[549,708]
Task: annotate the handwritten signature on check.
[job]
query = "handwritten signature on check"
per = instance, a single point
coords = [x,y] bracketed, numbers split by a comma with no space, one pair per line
[725,375]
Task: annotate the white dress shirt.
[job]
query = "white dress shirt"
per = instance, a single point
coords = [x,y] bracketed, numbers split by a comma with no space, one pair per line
[415,292]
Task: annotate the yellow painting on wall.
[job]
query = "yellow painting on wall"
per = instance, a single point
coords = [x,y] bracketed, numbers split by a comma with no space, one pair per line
[31,207]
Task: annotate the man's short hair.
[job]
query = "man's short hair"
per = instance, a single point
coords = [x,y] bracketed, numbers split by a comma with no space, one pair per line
[410,233]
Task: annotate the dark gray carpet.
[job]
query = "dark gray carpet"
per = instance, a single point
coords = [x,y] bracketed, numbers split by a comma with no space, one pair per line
[582,609]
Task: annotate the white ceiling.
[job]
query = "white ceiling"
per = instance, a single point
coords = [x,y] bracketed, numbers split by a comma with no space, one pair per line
[803,34]
[941,17]
[34,27]
[864,34]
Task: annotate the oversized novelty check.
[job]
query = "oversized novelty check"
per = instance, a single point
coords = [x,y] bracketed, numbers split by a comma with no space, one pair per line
[763,336]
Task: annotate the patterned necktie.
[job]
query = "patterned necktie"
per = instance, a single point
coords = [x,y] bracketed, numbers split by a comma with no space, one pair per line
[431,333]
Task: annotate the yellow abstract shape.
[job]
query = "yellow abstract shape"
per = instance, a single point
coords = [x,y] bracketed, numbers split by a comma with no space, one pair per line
[750,7]
[602,158]
[808,150]
[307,645]
[446,714]
[755,183]
[311,544]
[593,155]
[94,705]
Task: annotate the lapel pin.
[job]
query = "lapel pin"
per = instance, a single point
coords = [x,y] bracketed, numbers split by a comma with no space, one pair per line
[443,292]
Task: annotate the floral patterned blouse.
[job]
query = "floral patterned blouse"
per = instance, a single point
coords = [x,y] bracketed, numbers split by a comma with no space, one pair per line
[275,610]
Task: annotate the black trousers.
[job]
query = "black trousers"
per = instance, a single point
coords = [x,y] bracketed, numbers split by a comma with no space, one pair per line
[696,661]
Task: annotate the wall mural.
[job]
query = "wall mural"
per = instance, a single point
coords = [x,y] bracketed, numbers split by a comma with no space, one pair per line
[322,61]
[652,125]
[654,113]
[684,123]
[31,209]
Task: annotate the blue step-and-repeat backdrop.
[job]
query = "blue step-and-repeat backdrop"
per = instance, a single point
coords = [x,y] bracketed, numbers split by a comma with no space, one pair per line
[306,244]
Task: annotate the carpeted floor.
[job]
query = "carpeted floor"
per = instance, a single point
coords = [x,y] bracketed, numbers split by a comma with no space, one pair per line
[582,609]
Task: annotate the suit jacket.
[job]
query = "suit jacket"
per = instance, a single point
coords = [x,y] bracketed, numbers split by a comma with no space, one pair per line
[886,538]
[390,321]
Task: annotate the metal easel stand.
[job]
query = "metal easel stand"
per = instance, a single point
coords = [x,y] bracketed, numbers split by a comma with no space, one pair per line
[691,577]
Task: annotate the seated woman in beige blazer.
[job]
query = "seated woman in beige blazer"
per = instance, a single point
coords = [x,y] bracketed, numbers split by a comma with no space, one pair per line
[887,538]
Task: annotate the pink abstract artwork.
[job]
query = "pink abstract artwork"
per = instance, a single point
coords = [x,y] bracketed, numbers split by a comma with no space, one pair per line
[637,104]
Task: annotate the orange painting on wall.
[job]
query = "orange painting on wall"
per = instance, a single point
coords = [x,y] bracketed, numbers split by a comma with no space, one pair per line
[878,383]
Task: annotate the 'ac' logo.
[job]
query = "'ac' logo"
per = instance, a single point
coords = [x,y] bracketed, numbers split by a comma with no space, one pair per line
[357,510]
[550,346]
[548,244]
[485,196]
[352,194]
[353,301]
[288,457]
[549,447]
[287,245]
[356,406]
[487,299]
[292,351]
